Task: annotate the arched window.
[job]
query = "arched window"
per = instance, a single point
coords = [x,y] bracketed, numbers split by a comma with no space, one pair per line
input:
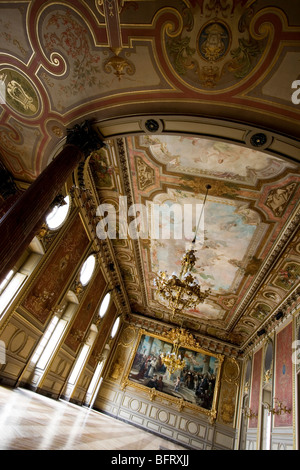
[96,381]
[52,337]
[95,384]
[58,215]
[9,287]
[49,342]
[87,270]
[15,279]
[104,305]
[6,281]
[83,355]
[115,328]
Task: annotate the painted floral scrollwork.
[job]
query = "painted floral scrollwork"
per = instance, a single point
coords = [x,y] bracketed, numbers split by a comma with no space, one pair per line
[219,49]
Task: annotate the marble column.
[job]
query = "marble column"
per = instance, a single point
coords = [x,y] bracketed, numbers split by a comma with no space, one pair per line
[21,222]
[9,193]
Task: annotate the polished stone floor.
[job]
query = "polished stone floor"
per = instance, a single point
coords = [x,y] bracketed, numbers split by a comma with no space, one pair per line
[29,421]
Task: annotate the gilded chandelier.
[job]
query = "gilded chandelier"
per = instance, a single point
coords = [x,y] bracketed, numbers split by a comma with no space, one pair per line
[172,360]
[182,292]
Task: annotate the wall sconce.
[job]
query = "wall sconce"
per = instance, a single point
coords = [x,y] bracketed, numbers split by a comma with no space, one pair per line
[268,375]
[248,413]
[280,407]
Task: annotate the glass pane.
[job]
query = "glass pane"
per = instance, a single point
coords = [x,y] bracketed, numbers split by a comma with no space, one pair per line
[95,377]
[5,281]
[58,215]
[79,364]
[52,344]
[104,305]
[115,327]
[87,270]
[10,291]
[45,339]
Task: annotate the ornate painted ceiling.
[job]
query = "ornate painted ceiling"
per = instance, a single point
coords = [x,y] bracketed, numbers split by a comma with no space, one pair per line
[249,253]
[185,93]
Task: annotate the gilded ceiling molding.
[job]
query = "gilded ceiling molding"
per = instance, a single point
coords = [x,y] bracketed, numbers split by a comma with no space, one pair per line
[283,312]
[277,250]
[162,328]
[251,264]
[86,193]
[123,159]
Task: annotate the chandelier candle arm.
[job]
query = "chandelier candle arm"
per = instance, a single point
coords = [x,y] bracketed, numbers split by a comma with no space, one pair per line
[172,360]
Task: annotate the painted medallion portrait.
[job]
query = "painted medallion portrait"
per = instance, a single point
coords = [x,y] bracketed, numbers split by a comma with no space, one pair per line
[214,41]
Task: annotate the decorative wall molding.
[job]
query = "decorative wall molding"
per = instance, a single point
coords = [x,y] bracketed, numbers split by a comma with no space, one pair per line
[184,428]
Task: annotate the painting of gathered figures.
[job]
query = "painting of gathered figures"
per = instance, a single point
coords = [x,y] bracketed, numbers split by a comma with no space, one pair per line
[195,383]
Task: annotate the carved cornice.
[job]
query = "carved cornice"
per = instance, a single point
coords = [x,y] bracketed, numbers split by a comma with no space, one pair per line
[88,200]
[282,313]
[164,329]
[122,154]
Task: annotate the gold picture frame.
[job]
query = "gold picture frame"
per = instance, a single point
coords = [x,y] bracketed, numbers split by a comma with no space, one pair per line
[199,380]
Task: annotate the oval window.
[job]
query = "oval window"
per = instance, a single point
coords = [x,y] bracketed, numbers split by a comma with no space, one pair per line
[104,305]
[87,270]
[115,327]
[58,215]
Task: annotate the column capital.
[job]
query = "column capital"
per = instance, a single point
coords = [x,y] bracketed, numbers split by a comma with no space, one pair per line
[85,138]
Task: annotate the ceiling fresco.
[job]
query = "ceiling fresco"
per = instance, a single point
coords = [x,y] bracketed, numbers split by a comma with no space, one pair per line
[209,158]
[245,215]
[185,93]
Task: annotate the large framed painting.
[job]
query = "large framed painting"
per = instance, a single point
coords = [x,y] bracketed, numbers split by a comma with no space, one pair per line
[195,385]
